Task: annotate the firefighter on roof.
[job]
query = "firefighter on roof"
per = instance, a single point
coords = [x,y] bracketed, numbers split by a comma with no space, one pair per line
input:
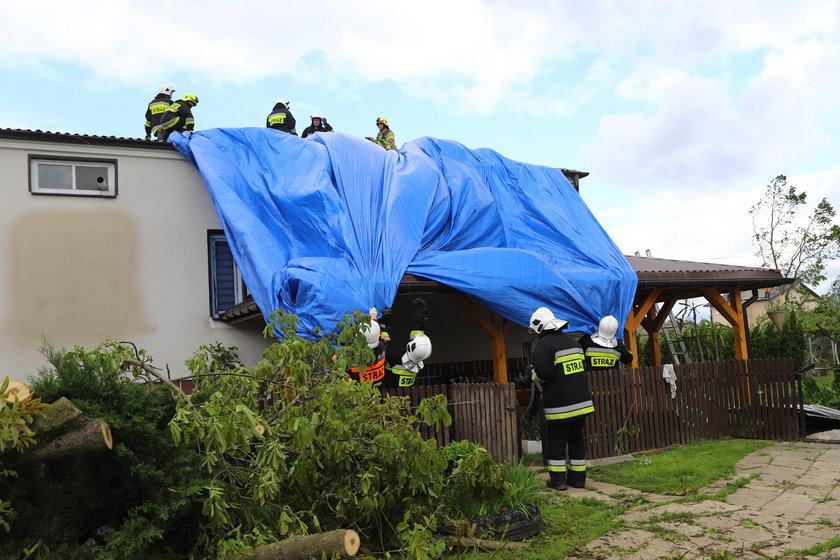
[385,138]
[156,109]
[179,117]
[281,117]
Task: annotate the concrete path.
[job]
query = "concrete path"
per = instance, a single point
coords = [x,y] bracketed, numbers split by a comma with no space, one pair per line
[792,505]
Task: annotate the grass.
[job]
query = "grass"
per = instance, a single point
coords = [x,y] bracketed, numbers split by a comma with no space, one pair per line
[814,550]
[568,525]
[571,523]
[681,470]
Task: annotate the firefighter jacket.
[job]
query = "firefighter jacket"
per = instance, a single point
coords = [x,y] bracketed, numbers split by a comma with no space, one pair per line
[375,371]
[603,357]
[559,364]
[386,139]
[312,129]
[281,118]
[157,107]
[178,118]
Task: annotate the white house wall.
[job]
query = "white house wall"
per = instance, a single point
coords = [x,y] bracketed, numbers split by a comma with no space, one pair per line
[77,270]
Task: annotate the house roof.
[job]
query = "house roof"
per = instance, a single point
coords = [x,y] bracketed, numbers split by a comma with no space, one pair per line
[669,273]
[84,139]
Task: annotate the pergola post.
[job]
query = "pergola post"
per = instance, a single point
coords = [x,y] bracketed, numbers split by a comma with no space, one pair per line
[634,319]
[496,327]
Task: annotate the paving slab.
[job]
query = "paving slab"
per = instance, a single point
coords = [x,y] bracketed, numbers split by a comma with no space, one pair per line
[794,504]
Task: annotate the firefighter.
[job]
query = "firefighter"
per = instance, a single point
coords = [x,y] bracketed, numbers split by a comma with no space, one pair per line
[395,365]
[603,350]
[404,362]
[157,107]
[179,117]
[281,117]
[375,371]
[559,366]
[319,124]
[385,138]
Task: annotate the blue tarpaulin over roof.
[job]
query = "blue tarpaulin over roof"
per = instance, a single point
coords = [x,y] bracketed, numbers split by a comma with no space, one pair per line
[323,226]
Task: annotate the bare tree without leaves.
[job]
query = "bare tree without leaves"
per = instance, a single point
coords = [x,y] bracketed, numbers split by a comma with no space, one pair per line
[797,247]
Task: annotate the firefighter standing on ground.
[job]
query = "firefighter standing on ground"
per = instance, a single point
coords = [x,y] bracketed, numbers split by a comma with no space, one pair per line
[156,109]
[281,118]
[559,366]
[603,350]
[385,138]
[179,117]
[395,365]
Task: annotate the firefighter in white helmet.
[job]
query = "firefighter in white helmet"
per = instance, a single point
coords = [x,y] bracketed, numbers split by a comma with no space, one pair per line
[602,349]
[156,109]
[558,362]
[395,365]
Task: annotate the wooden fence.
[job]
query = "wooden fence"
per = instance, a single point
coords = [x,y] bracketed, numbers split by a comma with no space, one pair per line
[635,410]
[483,413]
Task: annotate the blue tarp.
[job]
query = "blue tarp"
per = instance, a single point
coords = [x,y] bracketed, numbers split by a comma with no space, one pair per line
[323,226]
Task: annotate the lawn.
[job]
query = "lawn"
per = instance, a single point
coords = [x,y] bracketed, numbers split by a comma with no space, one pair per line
[571,523]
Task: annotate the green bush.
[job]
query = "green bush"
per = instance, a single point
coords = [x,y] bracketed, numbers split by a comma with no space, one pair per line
[135,501]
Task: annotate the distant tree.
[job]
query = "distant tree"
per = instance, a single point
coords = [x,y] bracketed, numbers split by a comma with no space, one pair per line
[793,343]
[797,248]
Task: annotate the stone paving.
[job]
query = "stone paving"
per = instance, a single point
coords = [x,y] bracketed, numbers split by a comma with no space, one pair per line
[793,504]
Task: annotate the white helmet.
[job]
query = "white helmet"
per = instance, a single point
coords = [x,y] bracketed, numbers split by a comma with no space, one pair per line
[544,320]
[606,332]
[284,102]
[168,90]
[315,116]
[371,333]
[418,349]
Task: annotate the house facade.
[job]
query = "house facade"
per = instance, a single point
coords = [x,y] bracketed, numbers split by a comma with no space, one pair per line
[110,237]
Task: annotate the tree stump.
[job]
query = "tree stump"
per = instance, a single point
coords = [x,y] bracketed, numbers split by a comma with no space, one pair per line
[345,543]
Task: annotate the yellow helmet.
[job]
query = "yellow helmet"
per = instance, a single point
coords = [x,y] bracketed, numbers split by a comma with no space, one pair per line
[382,120]
[190,97]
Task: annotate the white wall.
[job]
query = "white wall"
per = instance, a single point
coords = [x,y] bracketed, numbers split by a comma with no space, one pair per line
[76,270]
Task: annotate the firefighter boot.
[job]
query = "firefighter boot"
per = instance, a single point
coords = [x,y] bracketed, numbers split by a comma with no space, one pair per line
[577,479]
[557,480]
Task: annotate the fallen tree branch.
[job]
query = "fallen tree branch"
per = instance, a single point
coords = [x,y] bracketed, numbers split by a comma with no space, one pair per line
[343,542]
[466,542]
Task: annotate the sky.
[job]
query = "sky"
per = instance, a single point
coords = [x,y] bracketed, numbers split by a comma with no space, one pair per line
[682,112]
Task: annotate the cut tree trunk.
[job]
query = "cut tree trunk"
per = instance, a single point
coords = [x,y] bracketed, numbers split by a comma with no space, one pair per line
[303,547]
[17,389]
[61,412]
[83,435]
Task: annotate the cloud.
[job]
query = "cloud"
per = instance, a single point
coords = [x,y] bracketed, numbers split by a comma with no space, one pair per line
[481,54]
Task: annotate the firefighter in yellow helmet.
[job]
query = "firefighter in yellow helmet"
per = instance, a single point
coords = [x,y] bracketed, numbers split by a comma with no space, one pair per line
[179,117]
[385,138]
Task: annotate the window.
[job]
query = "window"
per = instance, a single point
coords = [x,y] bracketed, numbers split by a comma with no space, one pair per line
[226,285]
[73,177]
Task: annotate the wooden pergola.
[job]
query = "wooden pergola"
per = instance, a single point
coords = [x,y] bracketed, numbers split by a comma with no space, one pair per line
[662,283]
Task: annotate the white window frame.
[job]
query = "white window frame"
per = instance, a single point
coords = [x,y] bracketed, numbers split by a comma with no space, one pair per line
[108,188]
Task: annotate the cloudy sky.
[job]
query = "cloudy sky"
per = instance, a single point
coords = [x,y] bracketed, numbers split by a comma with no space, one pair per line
[681,112]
